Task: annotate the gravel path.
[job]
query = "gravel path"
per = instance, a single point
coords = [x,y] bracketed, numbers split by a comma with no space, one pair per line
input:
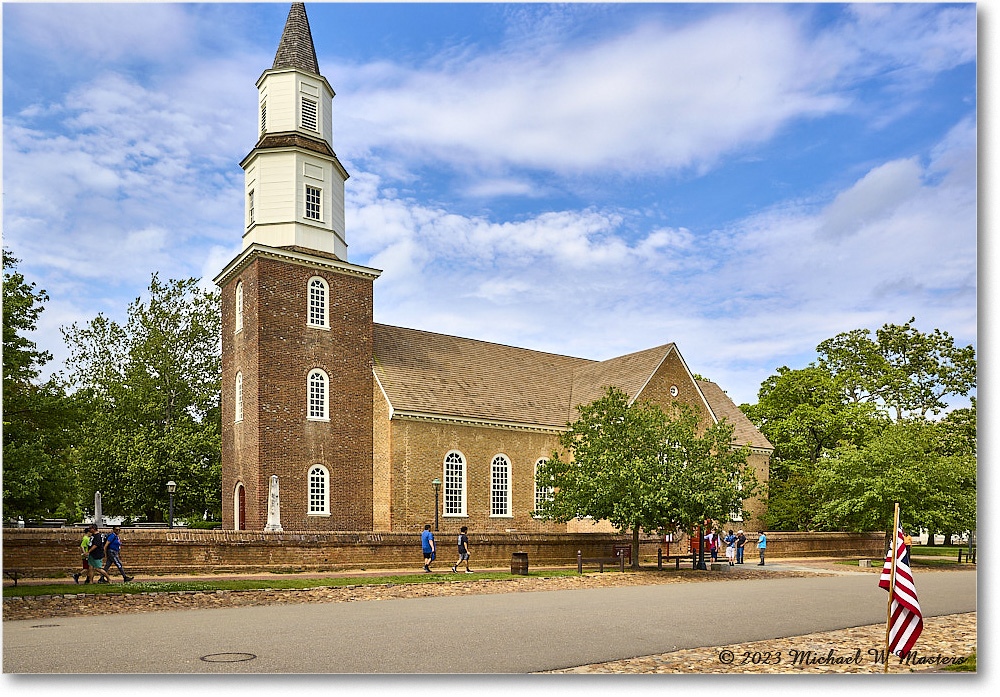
[944,639]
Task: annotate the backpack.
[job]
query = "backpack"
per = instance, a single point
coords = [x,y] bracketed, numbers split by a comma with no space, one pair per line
[97,539]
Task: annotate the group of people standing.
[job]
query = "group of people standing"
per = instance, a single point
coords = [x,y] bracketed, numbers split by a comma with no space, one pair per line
[99,552]
[735,545]
[429,548]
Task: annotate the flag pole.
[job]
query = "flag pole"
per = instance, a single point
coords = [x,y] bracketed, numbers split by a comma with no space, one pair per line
[892,584]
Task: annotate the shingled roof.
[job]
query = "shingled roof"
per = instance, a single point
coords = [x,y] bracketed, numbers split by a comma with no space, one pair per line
[744,433]
[296,49]
[436,374]
[451,376]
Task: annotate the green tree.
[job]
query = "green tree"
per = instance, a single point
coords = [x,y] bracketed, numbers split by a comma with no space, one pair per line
[156,386]
[858,485]
[804,413]
[631,464]
[907,371]
[39,420]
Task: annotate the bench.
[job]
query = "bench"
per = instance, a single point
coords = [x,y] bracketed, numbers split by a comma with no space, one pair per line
[676,559]
[600,561]
[17,574]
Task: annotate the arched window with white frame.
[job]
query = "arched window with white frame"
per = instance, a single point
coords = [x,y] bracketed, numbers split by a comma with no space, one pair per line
[319,490]
[238,397]
[500,487]
[542,493]
[454,484]
[318,396]
[319,303]
[239,308]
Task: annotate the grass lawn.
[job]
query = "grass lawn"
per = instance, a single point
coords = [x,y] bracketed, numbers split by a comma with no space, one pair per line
[914,563]
[273,584]
[969,666]
[939,550]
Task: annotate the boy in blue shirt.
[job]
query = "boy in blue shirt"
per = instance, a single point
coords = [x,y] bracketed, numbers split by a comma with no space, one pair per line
[427,544]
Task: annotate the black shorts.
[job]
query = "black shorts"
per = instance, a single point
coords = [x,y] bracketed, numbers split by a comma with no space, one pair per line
[427,555]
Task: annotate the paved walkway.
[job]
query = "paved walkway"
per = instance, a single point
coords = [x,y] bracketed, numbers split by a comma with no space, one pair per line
[514,632]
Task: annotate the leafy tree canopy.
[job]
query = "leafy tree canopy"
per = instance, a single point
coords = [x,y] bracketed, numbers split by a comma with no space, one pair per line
[907,371]
[156,383]
[39,420]
[631,464]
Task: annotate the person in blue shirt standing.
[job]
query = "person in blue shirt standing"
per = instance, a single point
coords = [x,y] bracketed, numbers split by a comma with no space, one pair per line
[761,545]
[112,546]
[427,543]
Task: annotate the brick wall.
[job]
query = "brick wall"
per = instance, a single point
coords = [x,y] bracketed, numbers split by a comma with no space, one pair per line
[56,550]
[418,452]
[275,353]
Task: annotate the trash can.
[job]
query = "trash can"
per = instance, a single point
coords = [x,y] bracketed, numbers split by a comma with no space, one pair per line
[519,563]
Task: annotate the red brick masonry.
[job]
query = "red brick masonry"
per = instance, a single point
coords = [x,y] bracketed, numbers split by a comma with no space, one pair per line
[56,550]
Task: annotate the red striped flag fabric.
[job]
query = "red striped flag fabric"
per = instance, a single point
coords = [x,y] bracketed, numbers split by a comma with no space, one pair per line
[905,620]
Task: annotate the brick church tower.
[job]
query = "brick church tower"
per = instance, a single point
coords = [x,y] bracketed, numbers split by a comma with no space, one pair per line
[296,318]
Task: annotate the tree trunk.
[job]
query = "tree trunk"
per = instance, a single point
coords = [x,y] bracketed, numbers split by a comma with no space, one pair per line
[947,539]
[635,548]
[930,538]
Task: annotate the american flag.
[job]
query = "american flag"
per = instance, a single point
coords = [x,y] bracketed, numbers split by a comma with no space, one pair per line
[905,621]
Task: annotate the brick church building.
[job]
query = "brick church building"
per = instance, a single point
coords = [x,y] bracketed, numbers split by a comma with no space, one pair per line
[358,419]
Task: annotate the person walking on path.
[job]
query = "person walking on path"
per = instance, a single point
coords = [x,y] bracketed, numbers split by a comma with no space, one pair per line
[463,551]
[731,548]
[112,548]
[907,542]
[85,553]
[712,538]
[741,542]
[427,544]
[96,556]
[761,545]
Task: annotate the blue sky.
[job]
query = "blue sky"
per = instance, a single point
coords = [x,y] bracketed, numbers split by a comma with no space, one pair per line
[744,180]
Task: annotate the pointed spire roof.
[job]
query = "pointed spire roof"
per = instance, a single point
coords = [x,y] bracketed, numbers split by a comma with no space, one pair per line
[296,49]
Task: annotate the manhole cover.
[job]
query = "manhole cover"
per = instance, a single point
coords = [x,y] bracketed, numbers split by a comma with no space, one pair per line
[228,657]
[36,626]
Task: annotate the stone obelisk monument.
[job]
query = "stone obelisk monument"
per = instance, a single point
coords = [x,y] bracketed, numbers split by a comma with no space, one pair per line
[98,513]
[273,507]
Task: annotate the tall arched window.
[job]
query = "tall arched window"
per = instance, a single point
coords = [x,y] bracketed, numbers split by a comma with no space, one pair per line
[239,507]
[542,493]
[454,484]
[239,308]
[238,397]
[500,487]
[319,490]
[318,397]
[319,315]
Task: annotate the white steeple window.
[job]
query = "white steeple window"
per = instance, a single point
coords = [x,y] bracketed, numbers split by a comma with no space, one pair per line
[313,198]
[263,117]
[239,307]
[319,490]
[318,304]
[250,208]
[239,397]
[318,400]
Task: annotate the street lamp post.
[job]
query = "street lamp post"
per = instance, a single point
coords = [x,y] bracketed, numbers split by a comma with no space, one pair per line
[437,488]
[171,488]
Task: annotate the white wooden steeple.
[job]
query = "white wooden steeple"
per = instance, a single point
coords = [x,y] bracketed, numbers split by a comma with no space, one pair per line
[294,181]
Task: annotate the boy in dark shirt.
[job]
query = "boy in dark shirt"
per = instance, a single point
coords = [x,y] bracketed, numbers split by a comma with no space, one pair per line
[463,551]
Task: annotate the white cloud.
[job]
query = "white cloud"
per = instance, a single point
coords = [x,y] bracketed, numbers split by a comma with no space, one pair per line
[657,98]
[739,302]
